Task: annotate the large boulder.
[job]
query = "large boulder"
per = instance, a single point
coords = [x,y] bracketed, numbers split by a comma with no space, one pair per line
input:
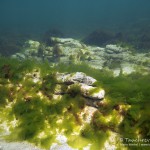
[81,80]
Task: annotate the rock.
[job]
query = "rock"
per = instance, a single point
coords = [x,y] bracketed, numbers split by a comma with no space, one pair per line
[4,145]
[87,114]
[20,56]
[82,78]
[64,78]
[74,50]
[31,49]
[14,56]
[83,81]
[96,49]
[128,68]
[61,40]
[94,93]
[78,77]
[64,59]
[67,42]
[32,44]
[35,76]
[114,49]
[27,52]
[61,138]
[64,146]
[116,72]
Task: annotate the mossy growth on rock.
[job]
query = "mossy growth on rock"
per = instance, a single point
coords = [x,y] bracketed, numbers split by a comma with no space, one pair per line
[29,110]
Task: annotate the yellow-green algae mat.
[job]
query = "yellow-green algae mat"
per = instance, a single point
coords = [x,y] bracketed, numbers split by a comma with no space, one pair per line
[29,112]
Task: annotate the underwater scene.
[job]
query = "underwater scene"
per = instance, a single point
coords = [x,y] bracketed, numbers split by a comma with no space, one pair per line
[75,75]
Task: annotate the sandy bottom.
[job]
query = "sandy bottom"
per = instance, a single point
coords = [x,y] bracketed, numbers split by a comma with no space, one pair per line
[16,146]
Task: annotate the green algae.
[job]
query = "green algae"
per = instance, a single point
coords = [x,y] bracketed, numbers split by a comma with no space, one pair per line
[38,117]
[95,137]
[74,90]
[77,141]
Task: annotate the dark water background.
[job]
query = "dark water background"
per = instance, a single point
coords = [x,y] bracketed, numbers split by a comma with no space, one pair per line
[75,18]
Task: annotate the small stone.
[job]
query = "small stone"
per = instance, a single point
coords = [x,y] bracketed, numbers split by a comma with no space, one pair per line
[20,55]
[32,44]
[114,48]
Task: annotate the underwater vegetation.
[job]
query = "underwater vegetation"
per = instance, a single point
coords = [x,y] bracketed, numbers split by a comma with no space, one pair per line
[31,112]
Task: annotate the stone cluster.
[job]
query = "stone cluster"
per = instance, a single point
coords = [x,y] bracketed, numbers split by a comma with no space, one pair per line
[66,82]
[85,83]
[68,50]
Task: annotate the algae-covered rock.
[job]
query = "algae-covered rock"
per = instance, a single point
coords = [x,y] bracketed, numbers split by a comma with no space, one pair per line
[68,50]
[94,93]
[79,77]
[84,82]
[114,49]
[32,44]
[30,50]
[67,42]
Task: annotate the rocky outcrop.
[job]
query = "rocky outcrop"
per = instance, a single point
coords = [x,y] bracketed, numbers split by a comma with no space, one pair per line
[68,83]
[79,80]
[68,50]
